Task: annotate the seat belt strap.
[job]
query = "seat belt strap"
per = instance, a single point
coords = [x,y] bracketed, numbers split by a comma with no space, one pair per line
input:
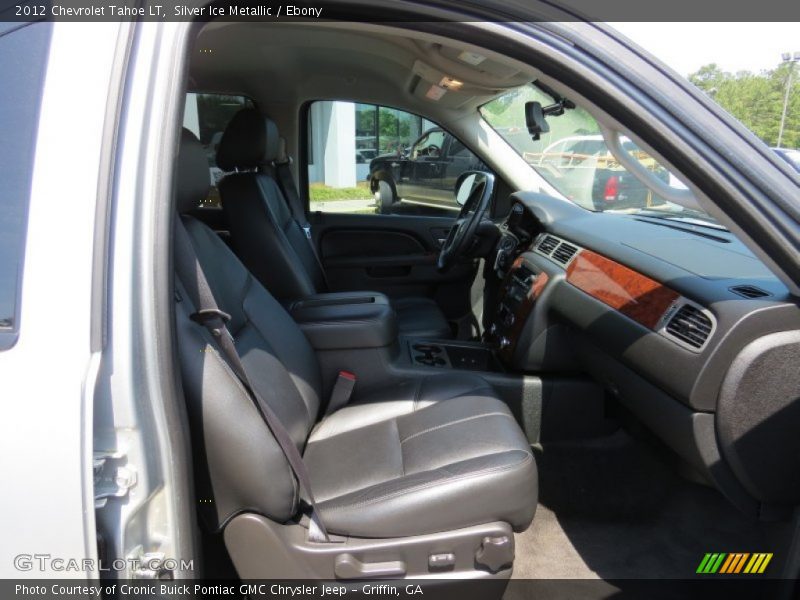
[283,173]
[209,315]
[342,391]
[289,189]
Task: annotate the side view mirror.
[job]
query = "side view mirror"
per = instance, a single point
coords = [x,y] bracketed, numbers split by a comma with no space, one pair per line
[466,184]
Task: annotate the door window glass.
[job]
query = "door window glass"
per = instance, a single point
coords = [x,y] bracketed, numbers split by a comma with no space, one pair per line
[367,159]
[23,57]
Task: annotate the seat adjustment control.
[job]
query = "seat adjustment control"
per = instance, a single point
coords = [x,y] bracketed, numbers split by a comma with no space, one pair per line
[347,566]
[495,553]
[439,562]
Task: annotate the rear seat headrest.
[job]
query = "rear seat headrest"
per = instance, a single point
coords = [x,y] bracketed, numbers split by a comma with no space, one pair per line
[250,141]
[193,179]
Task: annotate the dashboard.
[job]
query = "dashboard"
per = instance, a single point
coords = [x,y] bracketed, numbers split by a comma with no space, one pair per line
[675,319]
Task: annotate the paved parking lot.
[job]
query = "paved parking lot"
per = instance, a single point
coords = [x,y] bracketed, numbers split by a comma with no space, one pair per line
[345,206]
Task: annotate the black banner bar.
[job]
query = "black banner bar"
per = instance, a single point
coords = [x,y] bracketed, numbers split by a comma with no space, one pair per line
[388,11]
[701,588]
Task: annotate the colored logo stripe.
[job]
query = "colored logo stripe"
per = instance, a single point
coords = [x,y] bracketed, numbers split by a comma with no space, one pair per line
[711,562]
[733,563]
[758,563]
[728,562]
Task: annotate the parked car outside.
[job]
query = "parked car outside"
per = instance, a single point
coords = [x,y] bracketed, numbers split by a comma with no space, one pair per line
[592,177]
[424,174]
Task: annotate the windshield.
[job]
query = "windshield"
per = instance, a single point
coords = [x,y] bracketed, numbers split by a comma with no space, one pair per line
[573,157]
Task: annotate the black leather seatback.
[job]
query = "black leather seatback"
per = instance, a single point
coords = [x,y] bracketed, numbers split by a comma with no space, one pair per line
[267,238]
[270,242]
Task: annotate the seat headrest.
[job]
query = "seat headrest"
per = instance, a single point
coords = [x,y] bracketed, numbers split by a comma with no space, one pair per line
[250,141]
[193,179]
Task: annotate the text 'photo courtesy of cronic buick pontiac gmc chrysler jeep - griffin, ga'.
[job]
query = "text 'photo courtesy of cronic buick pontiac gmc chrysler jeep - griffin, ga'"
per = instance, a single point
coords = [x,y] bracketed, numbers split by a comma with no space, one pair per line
[442,299]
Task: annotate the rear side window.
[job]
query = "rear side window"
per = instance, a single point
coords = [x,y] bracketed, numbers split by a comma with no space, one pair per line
[23,57]
[207,116]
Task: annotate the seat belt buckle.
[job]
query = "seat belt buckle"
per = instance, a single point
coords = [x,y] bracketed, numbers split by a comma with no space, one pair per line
[342,391]
[307,230]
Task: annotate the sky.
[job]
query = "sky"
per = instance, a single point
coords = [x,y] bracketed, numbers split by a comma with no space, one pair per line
[733,46]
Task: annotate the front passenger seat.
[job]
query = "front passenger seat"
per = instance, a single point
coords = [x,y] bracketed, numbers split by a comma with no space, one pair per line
[428,475]
[269,240]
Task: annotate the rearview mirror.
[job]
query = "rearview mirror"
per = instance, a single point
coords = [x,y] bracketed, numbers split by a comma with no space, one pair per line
[534,119]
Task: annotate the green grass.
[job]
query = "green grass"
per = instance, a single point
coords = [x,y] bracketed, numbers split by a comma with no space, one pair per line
[319,192]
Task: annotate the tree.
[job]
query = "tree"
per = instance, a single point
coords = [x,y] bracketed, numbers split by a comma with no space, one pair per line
[756,99]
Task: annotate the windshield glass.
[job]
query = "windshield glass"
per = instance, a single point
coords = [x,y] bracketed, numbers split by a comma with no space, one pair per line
[574,158]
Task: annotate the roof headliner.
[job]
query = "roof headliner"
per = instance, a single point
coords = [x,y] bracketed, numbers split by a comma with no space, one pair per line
[289,64]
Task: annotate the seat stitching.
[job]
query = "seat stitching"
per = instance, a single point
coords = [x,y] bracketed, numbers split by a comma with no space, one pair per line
[456,422]
[417,391]
[402,458]
[528,458]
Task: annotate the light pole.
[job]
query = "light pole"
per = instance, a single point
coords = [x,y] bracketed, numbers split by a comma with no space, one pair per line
[787,57]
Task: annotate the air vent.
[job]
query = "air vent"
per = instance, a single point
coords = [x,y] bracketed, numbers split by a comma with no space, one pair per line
[547,245]
[564,253]
[690,325]
[749,291]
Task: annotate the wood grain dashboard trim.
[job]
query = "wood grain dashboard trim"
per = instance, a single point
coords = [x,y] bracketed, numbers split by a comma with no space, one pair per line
[635,295]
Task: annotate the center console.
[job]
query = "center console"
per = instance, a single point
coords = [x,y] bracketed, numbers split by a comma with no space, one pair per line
[520,289]
[347,320]
[468,356]
[357,332]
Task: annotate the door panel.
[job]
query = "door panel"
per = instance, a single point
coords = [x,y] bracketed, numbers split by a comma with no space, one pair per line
[379,242]
[393,254]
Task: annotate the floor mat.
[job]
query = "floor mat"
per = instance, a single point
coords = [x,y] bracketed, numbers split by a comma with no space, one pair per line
[613,508]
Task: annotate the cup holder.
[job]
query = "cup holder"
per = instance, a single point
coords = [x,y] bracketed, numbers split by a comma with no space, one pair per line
[467,357]
[429,355]
[430,361]
[428,348]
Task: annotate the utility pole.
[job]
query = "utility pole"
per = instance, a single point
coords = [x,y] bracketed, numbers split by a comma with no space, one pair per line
[787,57]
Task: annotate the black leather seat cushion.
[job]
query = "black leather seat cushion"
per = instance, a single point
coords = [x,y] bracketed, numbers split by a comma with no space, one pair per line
[429,455]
